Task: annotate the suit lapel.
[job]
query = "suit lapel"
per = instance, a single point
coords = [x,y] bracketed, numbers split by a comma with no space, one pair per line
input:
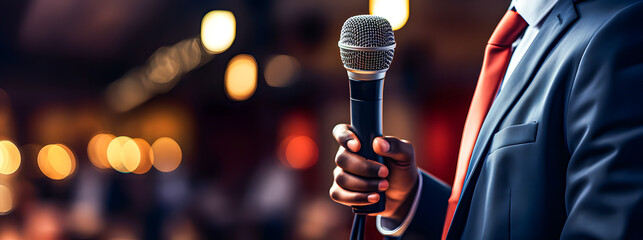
[557,22]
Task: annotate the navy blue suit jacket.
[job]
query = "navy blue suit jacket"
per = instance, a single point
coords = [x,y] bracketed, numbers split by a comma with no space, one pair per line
[560,154]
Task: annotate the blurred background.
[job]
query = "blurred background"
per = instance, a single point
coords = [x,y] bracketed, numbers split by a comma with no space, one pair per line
[211,119]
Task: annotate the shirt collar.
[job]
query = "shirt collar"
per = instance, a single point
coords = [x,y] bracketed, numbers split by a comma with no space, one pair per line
[533,11]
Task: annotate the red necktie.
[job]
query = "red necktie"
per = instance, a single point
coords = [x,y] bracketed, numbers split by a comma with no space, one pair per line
[496,58]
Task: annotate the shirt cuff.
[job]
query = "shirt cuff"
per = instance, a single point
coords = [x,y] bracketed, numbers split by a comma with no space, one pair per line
[399,230]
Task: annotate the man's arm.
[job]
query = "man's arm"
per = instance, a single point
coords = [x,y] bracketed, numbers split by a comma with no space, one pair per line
[604,132]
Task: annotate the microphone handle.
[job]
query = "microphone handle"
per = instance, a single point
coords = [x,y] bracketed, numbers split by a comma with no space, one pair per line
[366,121]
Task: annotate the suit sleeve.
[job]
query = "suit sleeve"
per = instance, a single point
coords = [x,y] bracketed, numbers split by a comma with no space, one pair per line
[426,218]
[604,133]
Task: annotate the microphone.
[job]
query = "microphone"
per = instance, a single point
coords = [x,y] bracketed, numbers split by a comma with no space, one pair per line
[366,46]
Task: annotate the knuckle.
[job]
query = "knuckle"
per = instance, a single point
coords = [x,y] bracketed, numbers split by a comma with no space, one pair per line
[336,128]
[336,171]
[341,180]
[340,130]
[407,145]
[334,194]
[341,159]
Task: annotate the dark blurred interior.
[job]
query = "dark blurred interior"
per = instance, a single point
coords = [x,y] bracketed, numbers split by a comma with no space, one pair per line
[253,166]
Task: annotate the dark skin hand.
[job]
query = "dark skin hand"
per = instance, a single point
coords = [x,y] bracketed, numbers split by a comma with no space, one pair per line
[357,180]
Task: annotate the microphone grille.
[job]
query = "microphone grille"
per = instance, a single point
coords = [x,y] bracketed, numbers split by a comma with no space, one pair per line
[367,31]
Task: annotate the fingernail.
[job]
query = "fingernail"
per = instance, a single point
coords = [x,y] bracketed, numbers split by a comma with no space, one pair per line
[373,197]
[352,145]
[384,145]
[383,185]
[383,172]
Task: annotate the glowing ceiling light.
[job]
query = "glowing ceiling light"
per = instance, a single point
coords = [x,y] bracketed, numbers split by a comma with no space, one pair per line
[9,157]
[56,161]
[395,11]
[218,29]
[166,154]
[241,77]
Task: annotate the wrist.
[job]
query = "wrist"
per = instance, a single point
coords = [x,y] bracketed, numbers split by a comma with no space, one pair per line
[400,208]
[399,217]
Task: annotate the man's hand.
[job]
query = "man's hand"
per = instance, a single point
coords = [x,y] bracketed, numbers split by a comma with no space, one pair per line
[357,180]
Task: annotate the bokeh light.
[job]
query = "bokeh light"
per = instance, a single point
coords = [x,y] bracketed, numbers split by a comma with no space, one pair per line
[218,30]
[123,154]
[127,93]
[146,156]
[97,150]
[395,11]
[56,161]
[166,154]
[6,200]
[10,232]
[241,77]
[300,152]
[280,70]
[164,66]
[85,219]
[160,74]
[9,157]
[44,222]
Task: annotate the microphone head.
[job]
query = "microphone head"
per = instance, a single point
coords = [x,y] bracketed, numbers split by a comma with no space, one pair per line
[367,43]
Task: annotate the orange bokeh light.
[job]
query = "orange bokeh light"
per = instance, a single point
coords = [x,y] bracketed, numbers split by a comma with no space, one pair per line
[166,154]
[146,156]
[6,200]
[300,152]
[56,161]
[241,77]
[97,150]
[9,157]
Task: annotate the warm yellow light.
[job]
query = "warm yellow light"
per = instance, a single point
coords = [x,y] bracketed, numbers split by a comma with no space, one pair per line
[146,159]
[166,154]
[280,70]
[56,161]
[6,200]
[241,77]
[123,154]
[97,150]
[9,157]
[218,30]
[395,11]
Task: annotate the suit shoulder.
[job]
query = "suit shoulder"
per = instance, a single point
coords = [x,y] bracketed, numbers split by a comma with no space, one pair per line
[621,28]
[599,12]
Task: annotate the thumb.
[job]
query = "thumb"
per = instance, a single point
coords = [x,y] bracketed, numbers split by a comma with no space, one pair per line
[399,150]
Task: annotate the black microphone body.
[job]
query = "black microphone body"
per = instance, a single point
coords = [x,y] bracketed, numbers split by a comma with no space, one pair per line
[366,46]
[366,121]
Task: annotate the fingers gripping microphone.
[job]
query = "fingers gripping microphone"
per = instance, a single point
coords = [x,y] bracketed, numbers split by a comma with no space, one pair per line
[366,45]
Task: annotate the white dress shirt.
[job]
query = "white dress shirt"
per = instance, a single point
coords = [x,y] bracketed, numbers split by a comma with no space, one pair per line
[534,12]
